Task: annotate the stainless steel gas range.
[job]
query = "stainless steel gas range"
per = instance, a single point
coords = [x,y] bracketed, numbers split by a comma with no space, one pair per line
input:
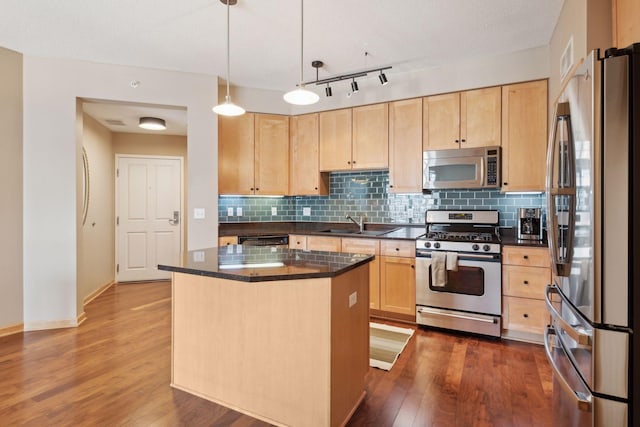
[458,272]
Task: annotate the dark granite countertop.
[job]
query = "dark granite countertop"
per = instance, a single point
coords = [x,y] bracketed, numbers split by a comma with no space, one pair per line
[373,230]
[508,237]
[261,264]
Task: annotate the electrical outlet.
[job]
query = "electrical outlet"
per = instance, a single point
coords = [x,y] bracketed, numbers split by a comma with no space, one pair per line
[238,211]
[198,213]
[274,211]
[353,299]
[198,256]
[229,211]
[306,211]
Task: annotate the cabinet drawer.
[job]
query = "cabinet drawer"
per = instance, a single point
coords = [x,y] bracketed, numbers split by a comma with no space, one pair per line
[321,243]
[527,256]
[297,242]
[361,246]
[227,240]
[399,248]
[528,282]
[525,315]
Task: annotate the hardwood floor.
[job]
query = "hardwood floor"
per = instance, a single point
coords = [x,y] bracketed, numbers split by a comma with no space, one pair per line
[114,370]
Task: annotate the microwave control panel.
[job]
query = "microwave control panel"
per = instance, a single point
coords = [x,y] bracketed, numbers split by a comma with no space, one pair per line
[492,171]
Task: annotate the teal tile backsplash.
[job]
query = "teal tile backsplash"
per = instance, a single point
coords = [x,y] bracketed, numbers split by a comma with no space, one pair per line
[366,193]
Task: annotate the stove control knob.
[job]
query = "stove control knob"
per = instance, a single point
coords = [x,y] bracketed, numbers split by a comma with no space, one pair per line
[436,245]
[475,247]
[486,248]
[427,244]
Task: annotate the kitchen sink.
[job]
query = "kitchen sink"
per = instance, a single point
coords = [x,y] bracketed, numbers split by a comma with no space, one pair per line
[361,233]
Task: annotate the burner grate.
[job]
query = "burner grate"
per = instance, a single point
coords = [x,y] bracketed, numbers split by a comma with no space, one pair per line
[460,236]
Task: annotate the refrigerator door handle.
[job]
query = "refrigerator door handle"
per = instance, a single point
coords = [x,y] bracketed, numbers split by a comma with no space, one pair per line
[560,182]
[581,400]
[581,337]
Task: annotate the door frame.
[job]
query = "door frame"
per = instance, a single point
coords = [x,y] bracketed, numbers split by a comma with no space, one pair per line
[119,156]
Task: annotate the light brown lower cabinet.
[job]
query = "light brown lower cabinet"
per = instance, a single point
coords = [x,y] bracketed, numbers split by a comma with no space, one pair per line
[525,274]
[392,281]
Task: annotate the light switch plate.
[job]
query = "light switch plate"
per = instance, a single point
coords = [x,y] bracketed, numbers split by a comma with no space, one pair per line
[274,211]
[198,256]
[198,213]
[229,211]
[353,299]
[306,211]
[239,211]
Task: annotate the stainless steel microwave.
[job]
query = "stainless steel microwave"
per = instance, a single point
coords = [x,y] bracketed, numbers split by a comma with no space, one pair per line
[461,168]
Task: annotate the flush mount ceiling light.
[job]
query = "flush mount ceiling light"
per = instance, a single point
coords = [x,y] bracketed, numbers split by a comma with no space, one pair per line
[152,123]
[301,96]
[228,108]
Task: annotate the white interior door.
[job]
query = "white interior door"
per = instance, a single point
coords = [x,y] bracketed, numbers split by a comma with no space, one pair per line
[149,216]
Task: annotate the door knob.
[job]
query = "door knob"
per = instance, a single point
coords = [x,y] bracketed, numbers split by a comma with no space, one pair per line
[176,218]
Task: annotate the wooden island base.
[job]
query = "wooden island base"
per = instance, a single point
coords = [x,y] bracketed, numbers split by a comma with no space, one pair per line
[289,352]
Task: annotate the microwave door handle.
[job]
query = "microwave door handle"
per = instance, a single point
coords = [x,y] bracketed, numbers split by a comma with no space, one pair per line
[580,337]
[582,401]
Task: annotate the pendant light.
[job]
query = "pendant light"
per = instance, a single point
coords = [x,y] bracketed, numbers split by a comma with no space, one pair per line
[301,96]
[228,108]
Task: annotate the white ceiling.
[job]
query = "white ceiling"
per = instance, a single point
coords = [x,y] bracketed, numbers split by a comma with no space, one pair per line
[190,35]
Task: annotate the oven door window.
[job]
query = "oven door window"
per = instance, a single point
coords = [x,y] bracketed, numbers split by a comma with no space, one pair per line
[466,281]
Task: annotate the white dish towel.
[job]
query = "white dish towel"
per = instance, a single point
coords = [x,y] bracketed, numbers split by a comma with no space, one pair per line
[438,269]
[452,261]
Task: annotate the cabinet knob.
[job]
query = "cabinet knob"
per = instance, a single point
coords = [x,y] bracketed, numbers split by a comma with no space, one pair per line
[348,163]
[390,185]
[526,282]
[413,266]
[397,249]
[526,316]
[353,162]
[526,257]
[505,183]
[457,141]
[463,140]
[315,188]
[251,189]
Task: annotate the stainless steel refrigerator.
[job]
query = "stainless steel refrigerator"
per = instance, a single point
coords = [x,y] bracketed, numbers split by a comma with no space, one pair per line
[593,211]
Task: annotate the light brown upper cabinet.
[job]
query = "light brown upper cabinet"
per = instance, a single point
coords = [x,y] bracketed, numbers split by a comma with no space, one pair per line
[462,119]
[305,178]
[335,140]
[235,154]
[626,25]
[524,136]
[405,146]
[354,138]
[253,154]
[370,149]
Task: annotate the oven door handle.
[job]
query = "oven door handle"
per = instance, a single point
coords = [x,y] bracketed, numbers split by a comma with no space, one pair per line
[458,316]
[582,401]
[580,337]
[466,257]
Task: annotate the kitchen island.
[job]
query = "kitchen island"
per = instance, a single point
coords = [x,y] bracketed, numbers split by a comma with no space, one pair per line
[279,334]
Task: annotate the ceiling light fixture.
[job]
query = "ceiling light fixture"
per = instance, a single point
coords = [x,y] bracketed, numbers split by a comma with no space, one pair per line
[228,108]
[152,123]
[328,91]
[354,86]
[383,78]
[301,96]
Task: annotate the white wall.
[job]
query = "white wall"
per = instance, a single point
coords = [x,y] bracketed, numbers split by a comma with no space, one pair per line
[50,157]
[11,188]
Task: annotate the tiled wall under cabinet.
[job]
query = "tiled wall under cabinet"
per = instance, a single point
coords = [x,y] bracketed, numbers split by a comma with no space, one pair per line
[367,193]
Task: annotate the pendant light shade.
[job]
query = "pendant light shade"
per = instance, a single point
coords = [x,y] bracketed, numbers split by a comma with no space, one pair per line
[228,108]
[301,96]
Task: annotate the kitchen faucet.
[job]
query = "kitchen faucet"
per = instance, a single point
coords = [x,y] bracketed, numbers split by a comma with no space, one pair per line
[359,223]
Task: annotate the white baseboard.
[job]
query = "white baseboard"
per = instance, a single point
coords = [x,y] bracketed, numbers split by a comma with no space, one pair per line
[95,294]
[53,324]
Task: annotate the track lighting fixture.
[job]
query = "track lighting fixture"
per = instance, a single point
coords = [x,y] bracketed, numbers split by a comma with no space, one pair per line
[152,123]
[383,78]
[228,108]
[353,76]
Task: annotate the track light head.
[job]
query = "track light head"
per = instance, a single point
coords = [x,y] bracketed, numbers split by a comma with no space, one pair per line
[354,86]
[383,78]
[327,91]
